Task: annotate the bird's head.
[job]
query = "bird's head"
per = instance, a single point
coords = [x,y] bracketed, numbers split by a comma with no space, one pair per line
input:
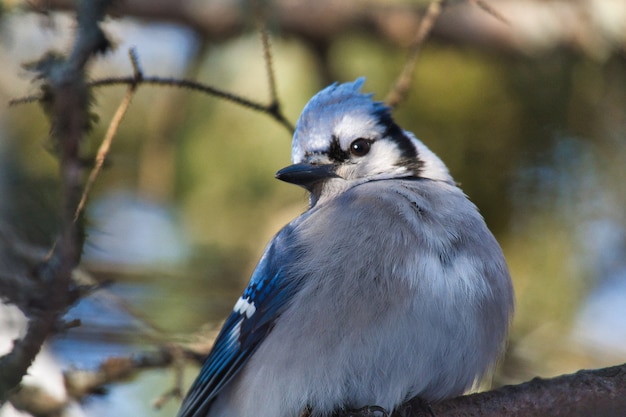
[344,138]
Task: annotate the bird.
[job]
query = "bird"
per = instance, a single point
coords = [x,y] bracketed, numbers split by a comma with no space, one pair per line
[389,286]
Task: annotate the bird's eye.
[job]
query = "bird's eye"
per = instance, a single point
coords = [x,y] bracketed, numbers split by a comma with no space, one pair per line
[360,147]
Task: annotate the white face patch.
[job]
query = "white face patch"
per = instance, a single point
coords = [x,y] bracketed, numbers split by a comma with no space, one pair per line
[432,167]
[244,306]
[383,157]
[380,162]
[356,125]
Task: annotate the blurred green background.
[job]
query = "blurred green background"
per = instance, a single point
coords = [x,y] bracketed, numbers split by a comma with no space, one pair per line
[188,200]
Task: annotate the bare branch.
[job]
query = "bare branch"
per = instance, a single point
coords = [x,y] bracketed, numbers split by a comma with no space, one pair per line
[67,103]
[176,392]
[261,20]
[600,392]
[272,109]
[80,383]
[134,60]
[491,10]
[66,98]
[402,85]
[105,146]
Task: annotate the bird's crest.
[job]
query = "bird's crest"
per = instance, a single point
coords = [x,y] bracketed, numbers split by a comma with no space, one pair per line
[328,107]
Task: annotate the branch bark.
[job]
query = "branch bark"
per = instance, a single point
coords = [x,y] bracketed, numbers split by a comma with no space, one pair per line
[600,392]
[67,105]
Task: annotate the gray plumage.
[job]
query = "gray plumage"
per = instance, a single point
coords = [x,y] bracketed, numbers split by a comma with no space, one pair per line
[390,286]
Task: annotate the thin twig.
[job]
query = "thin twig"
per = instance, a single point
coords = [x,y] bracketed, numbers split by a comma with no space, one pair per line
[491,10]
[24,100]
[274,108]
[435,8]
[103,151]
[105,146]
[271,110]
[267,53]
[166,397]
[178,363]
[401,87]
[134,60]
[80,383]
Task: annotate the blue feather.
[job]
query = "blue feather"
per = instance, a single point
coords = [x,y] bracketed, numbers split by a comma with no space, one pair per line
[252,318]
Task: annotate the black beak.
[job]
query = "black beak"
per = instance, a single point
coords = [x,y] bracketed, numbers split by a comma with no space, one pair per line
[306,175]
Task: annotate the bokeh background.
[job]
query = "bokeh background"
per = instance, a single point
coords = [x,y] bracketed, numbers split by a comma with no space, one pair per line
[535,133]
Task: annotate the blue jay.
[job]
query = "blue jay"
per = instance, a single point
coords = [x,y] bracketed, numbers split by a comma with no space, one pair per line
[389,286]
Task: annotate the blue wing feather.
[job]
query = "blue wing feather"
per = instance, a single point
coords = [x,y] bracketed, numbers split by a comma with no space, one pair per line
[260,305]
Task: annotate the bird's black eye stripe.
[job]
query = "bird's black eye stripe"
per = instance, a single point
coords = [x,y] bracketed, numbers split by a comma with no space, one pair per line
[335,153]
[409,157]
[360,147]
[395,133]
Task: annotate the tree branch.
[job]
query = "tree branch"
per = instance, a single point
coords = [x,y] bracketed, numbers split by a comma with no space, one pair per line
[271,109]
[67,104]
[402,85]
[600,392]
[105,146]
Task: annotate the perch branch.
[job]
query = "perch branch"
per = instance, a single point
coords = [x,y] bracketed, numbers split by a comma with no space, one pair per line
[600,392]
